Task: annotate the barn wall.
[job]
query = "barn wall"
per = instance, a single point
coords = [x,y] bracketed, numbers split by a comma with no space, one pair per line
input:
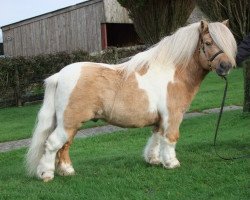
[71,30]
[115,13]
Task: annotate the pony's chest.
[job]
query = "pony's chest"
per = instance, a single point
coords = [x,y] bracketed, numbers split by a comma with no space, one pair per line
[155,86]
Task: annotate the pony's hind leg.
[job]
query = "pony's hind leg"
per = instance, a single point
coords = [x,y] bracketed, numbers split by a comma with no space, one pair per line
[63,163]
[55,141]
[152,149]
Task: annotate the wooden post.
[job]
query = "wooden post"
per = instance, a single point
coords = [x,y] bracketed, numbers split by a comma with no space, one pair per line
[17,88]
[115,52]
[104,36]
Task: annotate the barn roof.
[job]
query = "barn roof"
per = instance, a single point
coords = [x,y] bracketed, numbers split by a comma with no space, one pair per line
[50,14]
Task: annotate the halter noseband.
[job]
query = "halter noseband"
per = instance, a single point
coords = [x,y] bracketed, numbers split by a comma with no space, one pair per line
[210,60]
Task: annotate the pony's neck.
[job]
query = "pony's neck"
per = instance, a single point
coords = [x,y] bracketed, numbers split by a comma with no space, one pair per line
[193,74]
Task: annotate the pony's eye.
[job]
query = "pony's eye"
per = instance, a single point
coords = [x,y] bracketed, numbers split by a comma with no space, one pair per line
[208,43]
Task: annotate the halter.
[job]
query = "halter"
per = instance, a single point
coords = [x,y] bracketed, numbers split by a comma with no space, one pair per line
[210,60]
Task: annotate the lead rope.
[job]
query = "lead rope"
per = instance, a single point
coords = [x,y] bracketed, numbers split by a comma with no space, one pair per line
[218,124]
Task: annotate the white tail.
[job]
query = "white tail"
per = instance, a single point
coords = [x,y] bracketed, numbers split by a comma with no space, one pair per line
[46,123]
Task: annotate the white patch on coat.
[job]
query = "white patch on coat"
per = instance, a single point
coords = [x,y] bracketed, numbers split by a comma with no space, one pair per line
[67,81]
[155,83]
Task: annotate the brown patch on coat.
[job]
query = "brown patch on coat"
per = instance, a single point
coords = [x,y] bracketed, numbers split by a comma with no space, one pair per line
[180,94]
[143,70]
[63,154]
[103,93]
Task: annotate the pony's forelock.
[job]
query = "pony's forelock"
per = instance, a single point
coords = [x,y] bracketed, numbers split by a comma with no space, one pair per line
[224,39]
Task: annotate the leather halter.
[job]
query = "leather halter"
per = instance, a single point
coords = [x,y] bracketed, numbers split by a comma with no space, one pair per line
[210,60]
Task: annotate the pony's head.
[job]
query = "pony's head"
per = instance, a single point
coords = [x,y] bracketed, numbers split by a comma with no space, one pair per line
[214,40]
[217,47]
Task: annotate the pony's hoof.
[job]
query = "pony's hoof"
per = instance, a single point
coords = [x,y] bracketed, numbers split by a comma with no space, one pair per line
[154,161]
[171,164]
[65,170]
[66,173]
[46,176]
[47,179]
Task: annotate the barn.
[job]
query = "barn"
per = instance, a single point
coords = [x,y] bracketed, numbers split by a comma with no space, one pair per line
[91,26]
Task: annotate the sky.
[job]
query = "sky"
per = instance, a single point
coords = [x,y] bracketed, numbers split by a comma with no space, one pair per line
[16,10]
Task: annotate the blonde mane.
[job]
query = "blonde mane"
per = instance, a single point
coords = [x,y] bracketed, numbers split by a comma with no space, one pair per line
[178,49]
[224,39]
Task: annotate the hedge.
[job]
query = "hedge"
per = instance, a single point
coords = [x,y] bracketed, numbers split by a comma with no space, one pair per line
[21,79]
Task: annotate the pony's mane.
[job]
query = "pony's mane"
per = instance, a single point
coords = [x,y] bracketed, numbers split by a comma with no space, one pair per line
[178,49]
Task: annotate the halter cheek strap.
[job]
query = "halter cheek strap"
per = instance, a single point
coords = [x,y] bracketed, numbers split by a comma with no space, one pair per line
[215,55]
[210,60]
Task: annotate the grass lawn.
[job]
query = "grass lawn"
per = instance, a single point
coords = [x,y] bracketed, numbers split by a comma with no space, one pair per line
[212,88]
[111,166]
[18,123]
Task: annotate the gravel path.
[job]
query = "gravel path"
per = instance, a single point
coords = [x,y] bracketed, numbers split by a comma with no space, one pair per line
[8,146]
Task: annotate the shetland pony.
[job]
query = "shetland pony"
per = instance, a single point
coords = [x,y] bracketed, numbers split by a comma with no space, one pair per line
[155,87]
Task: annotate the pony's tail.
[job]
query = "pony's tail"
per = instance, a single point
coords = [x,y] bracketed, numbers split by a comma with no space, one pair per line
[46,123]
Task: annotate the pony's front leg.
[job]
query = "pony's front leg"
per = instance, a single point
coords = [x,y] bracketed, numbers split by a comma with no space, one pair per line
[167,151]
[152,149]
[46,167]
[170,136]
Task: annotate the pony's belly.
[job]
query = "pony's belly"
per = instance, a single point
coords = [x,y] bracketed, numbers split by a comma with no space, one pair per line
[133,119]
[130,115]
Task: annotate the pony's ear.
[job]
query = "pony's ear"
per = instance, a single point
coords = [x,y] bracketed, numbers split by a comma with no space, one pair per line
[203,26]
[226,23]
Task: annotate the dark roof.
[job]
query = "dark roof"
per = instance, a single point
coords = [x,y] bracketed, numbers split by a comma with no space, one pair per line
[50,14]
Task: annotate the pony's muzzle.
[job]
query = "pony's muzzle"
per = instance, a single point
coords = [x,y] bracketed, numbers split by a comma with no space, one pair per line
[223,68]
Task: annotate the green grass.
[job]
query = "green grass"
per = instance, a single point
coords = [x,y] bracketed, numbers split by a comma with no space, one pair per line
[18,123]
[212,88]
[111,166]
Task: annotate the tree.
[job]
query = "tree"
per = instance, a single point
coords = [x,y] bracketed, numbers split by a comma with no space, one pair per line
[154,19]
[238,13]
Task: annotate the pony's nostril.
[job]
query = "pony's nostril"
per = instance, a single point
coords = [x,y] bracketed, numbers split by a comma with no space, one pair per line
[225,66]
